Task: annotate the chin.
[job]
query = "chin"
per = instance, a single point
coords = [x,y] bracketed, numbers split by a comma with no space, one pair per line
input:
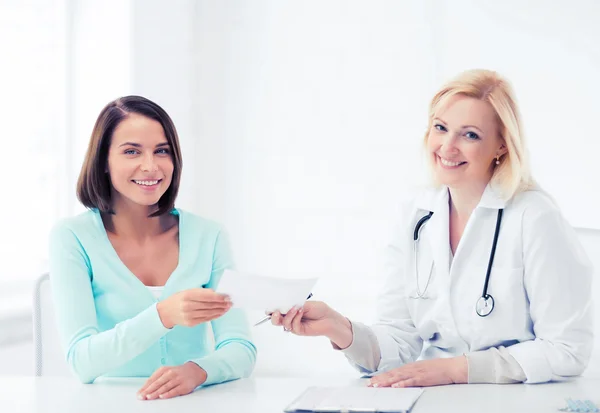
[443,179]
[143,201]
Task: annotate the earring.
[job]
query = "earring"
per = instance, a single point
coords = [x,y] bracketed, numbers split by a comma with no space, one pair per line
[497,160]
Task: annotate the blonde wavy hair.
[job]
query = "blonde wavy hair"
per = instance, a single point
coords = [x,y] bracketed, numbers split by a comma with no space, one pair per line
[513,174]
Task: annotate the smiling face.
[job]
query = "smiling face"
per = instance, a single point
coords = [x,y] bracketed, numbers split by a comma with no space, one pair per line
[139,161]
[463,143]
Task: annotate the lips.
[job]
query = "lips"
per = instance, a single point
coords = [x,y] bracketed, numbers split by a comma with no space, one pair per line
[146,183]
[450,164]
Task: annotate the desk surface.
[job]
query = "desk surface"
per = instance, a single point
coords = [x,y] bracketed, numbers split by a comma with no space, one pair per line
[266,395]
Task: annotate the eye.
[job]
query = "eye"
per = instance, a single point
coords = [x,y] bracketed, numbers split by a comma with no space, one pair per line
[441,128]
[130,152]
[472,135]
[162,151]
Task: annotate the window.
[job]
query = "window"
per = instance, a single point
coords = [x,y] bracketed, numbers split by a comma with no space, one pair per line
[33,138]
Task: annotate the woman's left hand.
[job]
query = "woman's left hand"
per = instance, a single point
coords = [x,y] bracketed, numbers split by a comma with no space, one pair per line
[167,382]
[424,373]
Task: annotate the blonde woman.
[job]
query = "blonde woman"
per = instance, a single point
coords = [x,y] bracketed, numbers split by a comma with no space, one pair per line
[486,281]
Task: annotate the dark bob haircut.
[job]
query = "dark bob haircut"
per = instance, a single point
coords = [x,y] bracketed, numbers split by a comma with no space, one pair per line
[93,186]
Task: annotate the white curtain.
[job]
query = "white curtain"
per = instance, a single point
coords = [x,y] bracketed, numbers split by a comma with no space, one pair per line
[33,136]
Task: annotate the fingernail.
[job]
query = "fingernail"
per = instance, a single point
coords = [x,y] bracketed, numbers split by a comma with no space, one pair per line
[395,385]
[376,385]
[161,396]
[140,396]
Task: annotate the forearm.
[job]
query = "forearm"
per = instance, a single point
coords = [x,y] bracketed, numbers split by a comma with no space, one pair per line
[339,331]
[495,365]
[232,360]
[92,353]
[363,350]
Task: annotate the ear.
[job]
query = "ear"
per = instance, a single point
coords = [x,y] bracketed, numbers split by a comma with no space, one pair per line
[503,150]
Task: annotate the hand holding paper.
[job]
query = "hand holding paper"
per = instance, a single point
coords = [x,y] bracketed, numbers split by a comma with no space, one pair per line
[257,292]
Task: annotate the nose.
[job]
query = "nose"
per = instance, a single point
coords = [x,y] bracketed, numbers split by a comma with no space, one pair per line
[449,143]
[148,164]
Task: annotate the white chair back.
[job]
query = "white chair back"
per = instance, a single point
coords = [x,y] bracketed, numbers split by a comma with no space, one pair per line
[49,359]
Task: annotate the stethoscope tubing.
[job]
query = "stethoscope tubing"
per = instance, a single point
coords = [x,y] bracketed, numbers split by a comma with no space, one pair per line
[484,294]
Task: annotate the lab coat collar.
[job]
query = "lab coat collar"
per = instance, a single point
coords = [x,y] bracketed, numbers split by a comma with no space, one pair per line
[436,199]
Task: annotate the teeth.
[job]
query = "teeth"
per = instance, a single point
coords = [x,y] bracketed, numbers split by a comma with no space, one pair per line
[146,183]
[448,163]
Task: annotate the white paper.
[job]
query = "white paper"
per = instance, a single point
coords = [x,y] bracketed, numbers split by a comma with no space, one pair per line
[356,399]
[257,292]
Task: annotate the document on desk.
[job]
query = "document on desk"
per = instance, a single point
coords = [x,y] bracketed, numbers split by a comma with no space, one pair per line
[355,399]
[257,292]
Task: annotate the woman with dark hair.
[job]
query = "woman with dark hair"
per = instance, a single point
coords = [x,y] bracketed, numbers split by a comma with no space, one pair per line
[133,277]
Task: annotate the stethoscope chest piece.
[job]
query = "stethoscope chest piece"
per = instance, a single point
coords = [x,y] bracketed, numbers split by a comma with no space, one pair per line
[484,305]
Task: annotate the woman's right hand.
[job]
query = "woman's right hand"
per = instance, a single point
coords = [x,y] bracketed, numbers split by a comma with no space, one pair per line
[316,318]
[192,307]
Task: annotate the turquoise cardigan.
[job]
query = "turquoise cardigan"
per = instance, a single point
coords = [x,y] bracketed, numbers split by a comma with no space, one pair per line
[107,317]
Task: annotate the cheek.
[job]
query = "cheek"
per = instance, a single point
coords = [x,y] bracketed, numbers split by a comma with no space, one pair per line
[479,157]
[119,169]
[432,142]
[167,167]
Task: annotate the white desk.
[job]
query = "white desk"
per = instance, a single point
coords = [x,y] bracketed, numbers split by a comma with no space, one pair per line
[266,395]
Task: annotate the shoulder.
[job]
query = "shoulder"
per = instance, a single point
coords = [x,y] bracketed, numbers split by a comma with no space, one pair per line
[535,204]
[197,223]
[200,232]
[420,200]
[413,205]
[540,216]
[82,223]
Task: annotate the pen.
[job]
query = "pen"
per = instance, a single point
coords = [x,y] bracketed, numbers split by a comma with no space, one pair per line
[267,318]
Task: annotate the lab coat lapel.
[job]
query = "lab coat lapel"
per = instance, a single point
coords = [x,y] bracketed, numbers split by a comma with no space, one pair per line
[438,233]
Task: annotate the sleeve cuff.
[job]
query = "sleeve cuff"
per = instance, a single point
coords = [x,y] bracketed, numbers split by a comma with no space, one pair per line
[532,360]
[364,349]
[151,321]
[495,365]
[481,367]
[212,369]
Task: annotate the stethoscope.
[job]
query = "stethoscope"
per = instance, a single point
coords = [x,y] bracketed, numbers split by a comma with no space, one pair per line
[485,303]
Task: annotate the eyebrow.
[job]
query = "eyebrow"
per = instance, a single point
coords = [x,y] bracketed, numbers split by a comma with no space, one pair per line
[463,127]
[137,145]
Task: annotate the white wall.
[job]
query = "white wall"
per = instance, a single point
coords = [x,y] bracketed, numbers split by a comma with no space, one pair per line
[301,123]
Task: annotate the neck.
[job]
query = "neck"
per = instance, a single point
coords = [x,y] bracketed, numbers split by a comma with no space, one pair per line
[464,200]
[133,221]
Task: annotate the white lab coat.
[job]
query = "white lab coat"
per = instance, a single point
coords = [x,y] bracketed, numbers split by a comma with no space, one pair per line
[540,280]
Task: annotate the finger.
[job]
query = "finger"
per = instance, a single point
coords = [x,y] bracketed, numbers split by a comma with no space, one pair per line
[205,295]
[171,384]
[159,382]
[174,392]
[204,305]
[276,318]
[151,380]
[297,322]
[412,382]
[198,317]
[207,314]
[289,317]
[387,379]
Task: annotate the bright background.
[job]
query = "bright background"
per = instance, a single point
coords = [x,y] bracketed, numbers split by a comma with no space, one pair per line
[301,125]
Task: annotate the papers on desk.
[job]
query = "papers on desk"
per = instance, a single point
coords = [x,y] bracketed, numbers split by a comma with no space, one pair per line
[257,292]
[355,399]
